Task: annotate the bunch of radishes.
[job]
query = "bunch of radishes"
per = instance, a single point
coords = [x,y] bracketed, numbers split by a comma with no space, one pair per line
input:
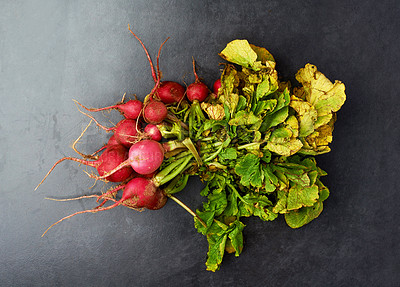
[148,148]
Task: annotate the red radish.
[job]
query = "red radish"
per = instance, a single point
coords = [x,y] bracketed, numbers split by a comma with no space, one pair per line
[126,131]
[112,141]
[146,156]
[170,92]
[142,192]
[138,193]
[111,158]
[216,86]
[155,112]
[153,132]
[131,109]
[198,91]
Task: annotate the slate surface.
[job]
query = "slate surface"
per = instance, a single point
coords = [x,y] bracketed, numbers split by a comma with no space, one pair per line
[54,51]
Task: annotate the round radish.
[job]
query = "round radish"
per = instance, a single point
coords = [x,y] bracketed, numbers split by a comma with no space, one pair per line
[170,92]
[141,192]
[155,112]
[146,156]
[112,157]
[153,132]
[198,91]
[126,131]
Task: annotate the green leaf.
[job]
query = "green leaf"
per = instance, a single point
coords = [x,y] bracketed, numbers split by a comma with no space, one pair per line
[216,250]
[263,89]
[270,180]
[280,206]
[243,118]
[265,106]
[297,175]
[300,196]
[236,236]
[274,119]
[239,52]
[257,205]
[298,218]
[216,201]
[207,217]
[228,153]
[232,206]
[248,168]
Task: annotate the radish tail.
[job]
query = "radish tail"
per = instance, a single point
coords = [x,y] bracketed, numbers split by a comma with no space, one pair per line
[85,162]
[80,212]
[96,109]
[147,54]
[89,116]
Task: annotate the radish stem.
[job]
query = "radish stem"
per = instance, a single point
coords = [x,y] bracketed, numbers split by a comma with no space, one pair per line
[187,209]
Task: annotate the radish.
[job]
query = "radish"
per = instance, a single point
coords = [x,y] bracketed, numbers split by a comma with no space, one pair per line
[131,109]
[170,92]
[198,91]
[111,158]
[153,132]
[155,112]
[138,193]
[216,86]
[145,157]
[125,132]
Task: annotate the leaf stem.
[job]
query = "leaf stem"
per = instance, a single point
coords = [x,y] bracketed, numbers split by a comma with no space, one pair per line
[187,209]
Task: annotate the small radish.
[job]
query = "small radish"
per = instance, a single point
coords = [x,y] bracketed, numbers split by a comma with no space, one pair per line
[155,112]
[198,91]
[125,132]
[131,109]
[170,92]
[111,158]
[138,193]
[216,86]
[153,132]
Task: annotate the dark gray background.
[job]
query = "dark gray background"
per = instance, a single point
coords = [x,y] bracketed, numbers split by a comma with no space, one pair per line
[54,51]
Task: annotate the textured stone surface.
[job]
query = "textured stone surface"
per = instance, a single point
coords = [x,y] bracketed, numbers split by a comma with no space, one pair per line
[54,51]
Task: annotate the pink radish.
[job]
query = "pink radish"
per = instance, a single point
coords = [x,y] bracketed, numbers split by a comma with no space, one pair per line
[131,109]
[153,132]
[170,92]
[146,156]
[111,158]
[198,91]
